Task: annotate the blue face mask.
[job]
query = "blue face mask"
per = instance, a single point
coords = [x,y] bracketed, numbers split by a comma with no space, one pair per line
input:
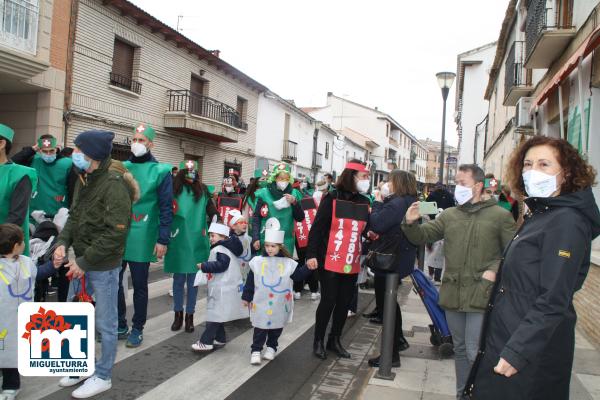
[80,161]
[49,158]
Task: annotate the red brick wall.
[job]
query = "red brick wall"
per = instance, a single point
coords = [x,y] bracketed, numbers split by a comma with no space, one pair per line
[61,15]
[587,304]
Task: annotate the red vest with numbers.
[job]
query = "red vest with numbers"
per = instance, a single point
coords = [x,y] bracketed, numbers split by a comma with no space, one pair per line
[348,221]
[302,228]
[226,204]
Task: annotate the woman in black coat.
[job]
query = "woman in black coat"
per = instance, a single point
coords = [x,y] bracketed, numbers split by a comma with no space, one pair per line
[386,219]
[334,246]
[528,337]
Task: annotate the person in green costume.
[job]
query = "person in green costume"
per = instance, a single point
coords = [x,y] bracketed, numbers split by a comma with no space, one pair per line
[17,182]
[150,230]
[277,200]
[56,175]
[189,246]
[306,187]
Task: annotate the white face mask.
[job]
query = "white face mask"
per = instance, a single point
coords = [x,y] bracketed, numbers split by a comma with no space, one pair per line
[282,185]
[303,185]
[462,194]
[385,190]
[138,149]
[539,184]
[229,189]
[363,185]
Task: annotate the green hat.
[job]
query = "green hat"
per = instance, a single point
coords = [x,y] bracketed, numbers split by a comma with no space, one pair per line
[47,143]
[491,182]
[189,165]
[261,173]
[145,130]
[6,133]
[279,168]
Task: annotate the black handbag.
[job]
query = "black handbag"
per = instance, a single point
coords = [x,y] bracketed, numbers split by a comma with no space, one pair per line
[384,253]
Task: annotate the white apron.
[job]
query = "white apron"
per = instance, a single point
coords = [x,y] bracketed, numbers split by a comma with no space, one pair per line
[273,303]
[246,254]
[224,299]
[17,280]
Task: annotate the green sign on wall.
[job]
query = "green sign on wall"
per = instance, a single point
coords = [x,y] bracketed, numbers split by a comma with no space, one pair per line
[574,133]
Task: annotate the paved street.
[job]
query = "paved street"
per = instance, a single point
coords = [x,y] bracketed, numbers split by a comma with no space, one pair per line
[164,367]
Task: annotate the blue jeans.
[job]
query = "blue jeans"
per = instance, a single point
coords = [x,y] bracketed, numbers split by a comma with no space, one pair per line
[271,336]
[139,278]
[105,286]
[214,331]
[179,281]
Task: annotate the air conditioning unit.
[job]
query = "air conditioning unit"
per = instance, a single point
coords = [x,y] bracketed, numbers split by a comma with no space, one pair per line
[522,117]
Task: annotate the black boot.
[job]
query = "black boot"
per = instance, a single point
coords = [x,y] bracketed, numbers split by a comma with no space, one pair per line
[402,344]
[334,344]
[189,322]
[178,321]
[319,349]
[374,362]
[372,314]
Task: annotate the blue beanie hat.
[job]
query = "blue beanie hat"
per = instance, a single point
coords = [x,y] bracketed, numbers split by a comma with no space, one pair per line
[97,145]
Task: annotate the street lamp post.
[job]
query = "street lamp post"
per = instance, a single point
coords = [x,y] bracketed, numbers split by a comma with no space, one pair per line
[445,80]
[314,152]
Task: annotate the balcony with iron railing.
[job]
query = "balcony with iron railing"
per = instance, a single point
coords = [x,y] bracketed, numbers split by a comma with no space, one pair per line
[548,31]
[289,151]
[203,116]
[517,79]
[126,83]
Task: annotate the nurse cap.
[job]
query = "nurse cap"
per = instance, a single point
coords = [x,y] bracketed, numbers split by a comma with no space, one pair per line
[218,228]
[272,232]
[236,215]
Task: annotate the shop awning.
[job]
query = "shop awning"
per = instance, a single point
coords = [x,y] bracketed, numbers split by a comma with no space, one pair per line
[588,45]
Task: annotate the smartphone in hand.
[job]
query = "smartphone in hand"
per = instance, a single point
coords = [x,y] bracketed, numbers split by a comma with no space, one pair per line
[428,208]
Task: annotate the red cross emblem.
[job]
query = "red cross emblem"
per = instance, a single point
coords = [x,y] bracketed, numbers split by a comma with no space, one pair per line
[281,167]
[140,128]
[265,172]
[264,211]
[46,143]
[189,164]
[493,182]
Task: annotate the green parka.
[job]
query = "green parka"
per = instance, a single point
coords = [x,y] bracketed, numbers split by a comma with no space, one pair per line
[475,236]
[100,216]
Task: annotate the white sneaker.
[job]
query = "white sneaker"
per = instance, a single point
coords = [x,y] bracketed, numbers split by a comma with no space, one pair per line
[92,387]
[68,381]
[9,394]
[315,296]
[351,314]
[171,292]
[199,346]
[255,358]
[297,295]
[269,354]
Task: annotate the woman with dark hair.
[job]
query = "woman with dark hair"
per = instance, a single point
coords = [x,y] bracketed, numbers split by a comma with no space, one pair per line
[528,337]
[334,246]
[192,209]
[386,218]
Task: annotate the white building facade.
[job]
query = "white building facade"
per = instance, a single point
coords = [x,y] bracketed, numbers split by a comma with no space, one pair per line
[471,108]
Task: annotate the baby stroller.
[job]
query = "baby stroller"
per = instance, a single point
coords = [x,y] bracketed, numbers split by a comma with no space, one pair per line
[440,333]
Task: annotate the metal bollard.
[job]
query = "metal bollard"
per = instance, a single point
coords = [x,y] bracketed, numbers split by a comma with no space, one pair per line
[389,319]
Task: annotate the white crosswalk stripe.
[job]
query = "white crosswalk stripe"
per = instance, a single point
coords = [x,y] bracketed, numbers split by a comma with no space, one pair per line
[233,360]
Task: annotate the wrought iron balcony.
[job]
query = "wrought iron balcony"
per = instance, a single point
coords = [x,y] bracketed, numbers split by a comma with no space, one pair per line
[548,31]
[203,116]
[19,25]
[126,83]
[289,151]
[517,81]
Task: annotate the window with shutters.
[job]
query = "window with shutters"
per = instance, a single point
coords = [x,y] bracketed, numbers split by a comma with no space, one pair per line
[327,150]
[242,110]
[122,74]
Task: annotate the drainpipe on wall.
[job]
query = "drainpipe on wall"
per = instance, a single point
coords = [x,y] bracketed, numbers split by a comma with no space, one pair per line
[69,67]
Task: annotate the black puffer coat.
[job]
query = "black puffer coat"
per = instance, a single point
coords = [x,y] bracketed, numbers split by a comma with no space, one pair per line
[531,319]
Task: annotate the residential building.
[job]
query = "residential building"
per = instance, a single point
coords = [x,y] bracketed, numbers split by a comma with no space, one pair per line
[350,145]
[471,108]
[286,133]
[432,175]
[418,160]
[130,68]
[393,142]
[34,37]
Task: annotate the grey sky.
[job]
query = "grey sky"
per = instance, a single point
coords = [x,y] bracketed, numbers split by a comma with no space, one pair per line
[378,53]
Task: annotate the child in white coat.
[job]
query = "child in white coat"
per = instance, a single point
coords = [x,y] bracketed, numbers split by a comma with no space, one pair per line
[268,292]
